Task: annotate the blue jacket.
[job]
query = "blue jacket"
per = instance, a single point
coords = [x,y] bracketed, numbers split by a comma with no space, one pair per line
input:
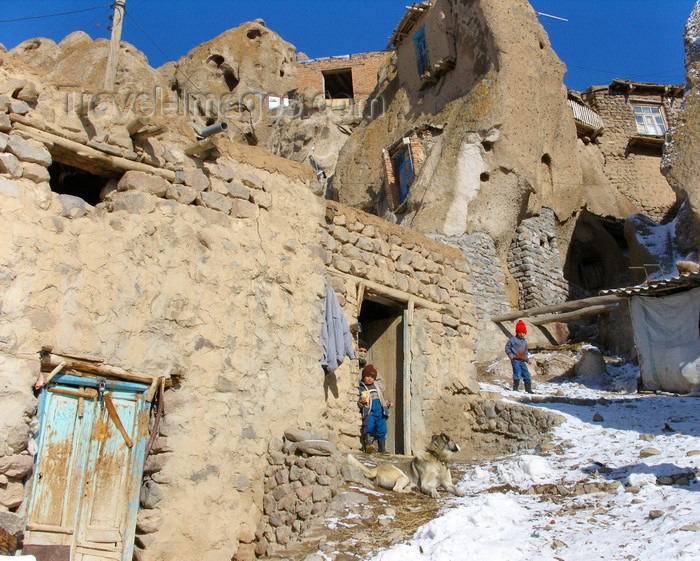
[518,348]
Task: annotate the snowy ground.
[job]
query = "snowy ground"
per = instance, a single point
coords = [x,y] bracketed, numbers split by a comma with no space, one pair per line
[640,521]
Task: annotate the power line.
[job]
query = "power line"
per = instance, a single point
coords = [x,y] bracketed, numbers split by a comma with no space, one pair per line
[54,15]
[624,73]
[167,57]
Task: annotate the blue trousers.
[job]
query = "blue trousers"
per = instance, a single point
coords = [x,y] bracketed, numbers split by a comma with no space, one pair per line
[375,423]
[520,370]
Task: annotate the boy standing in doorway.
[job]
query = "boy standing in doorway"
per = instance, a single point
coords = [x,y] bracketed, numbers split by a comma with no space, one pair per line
[375,411]
[516,349]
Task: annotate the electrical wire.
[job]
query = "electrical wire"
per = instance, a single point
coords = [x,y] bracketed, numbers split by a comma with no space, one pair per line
[167,57]
[663,72]
[56,14]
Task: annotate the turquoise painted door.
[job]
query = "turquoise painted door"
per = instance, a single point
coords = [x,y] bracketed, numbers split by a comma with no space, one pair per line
[86,481]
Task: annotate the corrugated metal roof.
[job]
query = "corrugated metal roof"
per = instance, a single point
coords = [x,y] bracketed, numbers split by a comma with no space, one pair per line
[654,287]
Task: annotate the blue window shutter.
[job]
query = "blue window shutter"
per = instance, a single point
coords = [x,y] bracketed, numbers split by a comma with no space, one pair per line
[421,51]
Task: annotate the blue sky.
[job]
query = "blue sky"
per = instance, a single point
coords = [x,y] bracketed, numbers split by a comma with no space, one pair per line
[639,40]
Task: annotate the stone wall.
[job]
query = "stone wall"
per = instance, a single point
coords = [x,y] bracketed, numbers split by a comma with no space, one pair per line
[363,247]
[208,292]
[534,262]
[634,169]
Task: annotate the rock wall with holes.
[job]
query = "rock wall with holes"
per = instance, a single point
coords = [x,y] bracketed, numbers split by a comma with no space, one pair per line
[499,154]
[535,264]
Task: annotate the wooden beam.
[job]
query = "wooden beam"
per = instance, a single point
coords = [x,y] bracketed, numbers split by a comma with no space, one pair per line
[52,360]
[201,146]
[87,158]
[393,293]
[136,124]
[577,314]
[360,297]
[554,308]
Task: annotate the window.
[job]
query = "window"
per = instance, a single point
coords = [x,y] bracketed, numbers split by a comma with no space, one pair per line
[650,120]
[404,171]
[421,51]
[338,84]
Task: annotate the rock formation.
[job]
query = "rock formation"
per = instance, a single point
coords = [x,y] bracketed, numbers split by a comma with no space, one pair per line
[681,163]
[499,154]
[78,59]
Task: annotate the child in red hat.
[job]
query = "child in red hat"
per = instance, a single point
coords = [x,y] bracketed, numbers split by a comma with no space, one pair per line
[516,349]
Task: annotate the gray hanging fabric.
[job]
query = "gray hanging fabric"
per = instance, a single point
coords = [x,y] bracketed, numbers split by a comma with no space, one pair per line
[336,339]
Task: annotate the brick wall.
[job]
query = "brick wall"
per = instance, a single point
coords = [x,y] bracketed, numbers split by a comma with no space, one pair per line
[364,71]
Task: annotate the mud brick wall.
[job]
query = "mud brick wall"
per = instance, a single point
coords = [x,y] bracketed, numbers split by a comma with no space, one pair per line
[633,170]
[534,262]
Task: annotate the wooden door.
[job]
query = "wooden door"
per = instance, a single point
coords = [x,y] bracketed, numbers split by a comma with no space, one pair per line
[385,337]
[86,482]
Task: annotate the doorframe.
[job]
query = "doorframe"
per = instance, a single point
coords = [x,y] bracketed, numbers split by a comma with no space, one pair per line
[365,292]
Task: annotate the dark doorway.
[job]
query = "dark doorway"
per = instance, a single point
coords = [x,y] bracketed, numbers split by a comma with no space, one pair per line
[338,84]
[382,322]
[69,180]
[598,255]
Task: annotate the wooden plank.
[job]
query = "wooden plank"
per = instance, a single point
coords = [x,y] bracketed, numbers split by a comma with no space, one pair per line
[360,297]
[152,390]
[115,419]
[555,308]
[136,124]
[576,314]
[201,146]
[55,371]
[88,393]
[52,359]
[85,157]
[407,333]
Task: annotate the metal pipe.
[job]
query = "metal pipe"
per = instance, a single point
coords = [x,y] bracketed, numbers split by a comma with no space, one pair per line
[214,129]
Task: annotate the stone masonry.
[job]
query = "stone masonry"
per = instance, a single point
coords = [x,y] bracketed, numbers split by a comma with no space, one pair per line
[534,262]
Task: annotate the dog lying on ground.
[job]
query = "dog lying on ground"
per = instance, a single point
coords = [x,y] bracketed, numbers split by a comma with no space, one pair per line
[427,470]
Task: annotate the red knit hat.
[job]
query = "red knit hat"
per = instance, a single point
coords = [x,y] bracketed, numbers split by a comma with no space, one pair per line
[520,327]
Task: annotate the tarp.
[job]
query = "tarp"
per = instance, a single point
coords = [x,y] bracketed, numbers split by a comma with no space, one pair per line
[668,340]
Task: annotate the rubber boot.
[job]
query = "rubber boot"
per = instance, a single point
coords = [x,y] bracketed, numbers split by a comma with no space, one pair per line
[367,445]
[382,447]
[516,384]
[528,387]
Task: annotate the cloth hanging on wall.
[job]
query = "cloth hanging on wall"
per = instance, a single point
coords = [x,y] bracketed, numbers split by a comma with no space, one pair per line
[336,339]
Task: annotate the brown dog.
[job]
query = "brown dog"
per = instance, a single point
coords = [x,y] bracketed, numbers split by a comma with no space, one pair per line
[428,470]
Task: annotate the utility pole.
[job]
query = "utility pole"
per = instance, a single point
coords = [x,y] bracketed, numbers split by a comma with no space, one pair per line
[113,59]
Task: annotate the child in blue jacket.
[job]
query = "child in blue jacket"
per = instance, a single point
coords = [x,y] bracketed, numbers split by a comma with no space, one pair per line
[375,411]
[516,349]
